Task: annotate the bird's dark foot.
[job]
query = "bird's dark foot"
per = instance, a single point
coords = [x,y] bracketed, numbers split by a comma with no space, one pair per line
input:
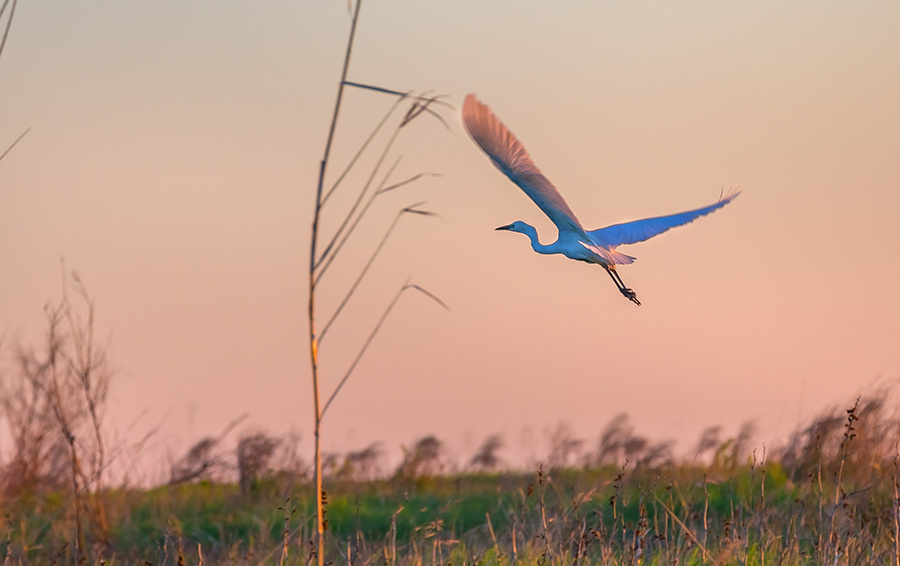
[631,296]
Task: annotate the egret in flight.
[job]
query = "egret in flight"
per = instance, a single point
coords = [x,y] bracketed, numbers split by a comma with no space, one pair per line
[574,242]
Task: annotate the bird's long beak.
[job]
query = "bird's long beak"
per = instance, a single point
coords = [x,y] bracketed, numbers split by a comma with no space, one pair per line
[507,227]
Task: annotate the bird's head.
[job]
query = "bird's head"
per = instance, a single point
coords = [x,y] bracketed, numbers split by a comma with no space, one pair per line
[517,226]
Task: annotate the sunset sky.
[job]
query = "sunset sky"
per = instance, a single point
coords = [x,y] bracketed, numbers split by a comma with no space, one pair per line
[172,162]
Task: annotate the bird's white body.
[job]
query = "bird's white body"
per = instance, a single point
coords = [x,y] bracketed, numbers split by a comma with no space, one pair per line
[574,242]
[569,244]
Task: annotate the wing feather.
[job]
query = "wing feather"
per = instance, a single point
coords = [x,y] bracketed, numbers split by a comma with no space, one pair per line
[640,230]
[510,156]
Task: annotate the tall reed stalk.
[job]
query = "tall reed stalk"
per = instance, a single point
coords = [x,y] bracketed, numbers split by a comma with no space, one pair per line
[319,261]
[313,340]
[9,20]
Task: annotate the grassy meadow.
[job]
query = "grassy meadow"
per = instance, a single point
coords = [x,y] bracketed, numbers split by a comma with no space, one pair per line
[829,496]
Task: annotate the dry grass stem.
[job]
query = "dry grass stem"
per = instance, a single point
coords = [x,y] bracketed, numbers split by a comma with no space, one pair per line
[685,529]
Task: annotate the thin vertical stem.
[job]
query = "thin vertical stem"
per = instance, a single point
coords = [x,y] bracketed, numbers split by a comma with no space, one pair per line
[313,342]
[896,557]
[12,12]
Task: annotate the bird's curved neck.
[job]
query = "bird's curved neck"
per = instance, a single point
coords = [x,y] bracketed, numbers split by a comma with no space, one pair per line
[536,245]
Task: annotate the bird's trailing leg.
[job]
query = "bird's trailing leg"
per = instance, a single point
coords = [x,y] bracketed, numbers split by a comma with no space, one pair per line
[629,294]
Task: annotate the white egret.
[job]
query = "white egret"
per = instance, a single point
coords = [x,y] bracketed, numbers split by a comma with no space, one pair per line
[592,246]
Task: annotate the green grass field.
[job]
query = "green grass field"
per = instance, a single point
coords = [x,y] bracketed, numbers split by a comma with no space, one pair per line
[838,509]
[828,495]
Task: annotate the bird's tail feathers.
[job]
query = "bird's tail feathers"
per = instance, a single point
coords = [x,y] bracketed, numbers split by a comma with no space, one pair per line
[611,256]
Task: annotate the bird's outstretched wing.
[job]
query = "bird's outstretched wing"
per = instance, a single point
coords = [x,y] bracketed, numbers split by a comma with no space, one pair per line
[509,155]
[640,230]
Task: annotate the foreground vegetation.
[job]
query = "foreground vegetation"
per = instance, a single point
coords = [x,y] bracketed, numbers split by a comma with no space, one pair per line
[829,497]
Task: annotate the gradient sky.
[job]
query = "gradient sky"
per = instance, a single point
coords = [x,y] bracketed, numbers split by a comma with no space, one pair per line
[172,162]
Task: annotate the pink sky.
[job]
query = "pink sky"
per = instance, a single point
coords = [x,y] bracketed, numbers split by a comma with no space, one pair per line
[173,156]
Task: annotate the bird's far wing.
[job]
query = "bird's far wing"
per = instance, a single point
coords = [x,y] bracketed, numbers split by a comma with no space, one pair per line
[640,230]
[509,155]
